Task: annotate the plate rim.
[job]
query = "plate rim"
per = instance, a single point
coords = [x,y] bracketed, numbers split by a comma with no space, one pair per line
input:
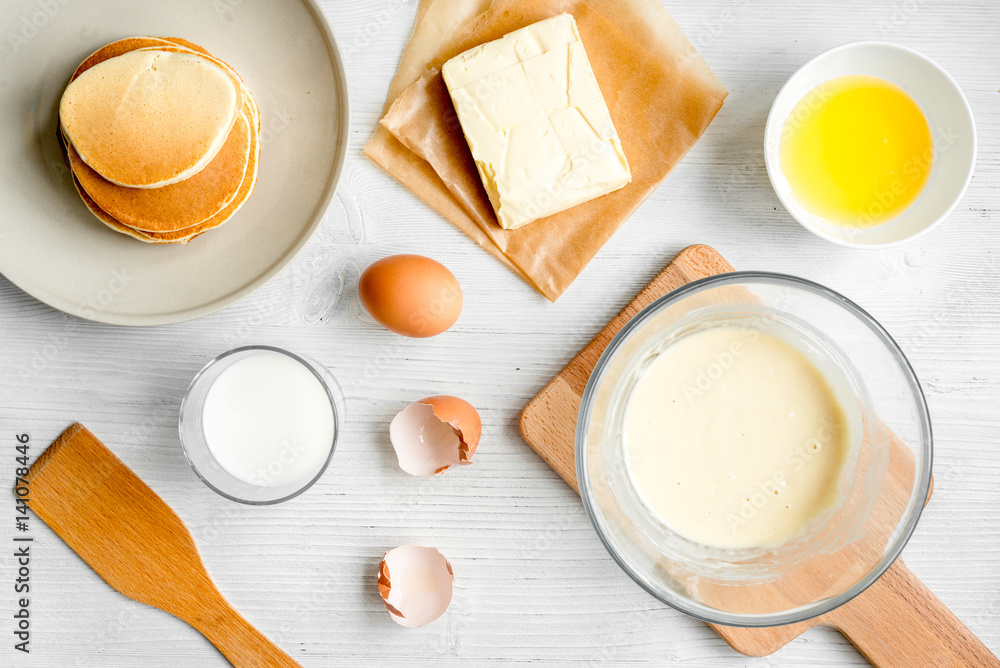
[186,315]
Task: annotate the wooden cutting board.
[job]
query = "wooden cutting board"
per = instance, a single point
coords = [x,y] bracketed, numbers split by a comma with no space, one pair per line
[895,622]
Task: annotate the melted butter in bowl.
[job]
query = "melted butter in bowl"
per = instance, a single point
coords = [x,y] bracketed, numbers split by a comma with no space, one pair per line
[870,144]
[857,151]
[735,439]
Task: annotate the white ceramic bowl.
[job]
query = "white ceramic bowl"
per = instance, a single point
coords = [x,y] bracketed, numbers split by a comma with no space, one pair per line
[948,114]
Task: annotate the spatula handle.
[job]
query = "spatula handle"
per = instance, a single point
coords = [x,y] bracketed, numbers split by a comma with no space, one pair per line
[899,622]
[237,639]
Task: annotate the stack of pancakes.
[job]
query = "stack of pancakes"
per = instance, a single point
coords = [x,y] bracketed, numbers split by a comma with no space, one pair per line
[163,138]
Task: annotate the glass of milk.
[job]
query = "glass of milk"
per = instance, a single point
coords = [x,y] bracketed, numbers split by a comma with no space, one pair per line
[259,424]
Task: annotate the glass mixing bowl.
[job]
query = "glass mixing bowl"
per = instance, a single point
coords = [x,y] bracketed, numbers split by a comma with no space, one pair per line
[883,486]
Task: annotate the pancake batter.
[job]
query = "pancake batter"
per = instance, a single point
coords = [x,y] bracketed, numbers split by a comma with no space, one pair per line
[735,439]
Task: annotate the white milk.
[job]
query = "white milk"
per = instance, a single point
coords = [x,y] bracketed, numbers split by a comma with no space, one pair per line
[268,421]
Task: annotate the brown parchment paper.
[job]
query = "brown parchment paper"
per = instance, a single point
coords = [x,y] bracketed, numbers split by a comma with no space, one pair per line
[437,22]
[661,96]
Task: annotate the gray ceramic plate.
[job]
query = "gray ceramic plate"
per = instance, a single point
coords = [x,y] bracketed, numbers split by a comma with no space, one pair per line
[55,250]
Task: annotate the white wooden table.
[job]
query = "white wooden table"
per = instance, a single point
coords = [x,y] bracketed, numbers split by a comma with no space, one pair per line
[532,580]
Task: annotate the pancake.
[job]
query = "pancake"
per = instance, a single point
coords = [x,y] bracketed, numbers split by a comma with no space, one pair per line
[104,217]
[179,236]
[146,119]
[128,44]
[180,41]
[182,236]
[250,111]
[119,48]
[237,80]
[178,205]
[189,44]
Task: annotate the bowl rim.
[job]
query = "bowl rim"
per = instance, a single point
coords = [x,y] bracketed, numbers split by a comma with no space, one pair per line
[911,515]
[771,152]
[330,387]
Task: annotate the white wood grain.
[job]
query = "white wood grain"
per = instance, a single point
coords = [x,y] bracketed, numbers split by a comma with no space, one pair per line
[533,582]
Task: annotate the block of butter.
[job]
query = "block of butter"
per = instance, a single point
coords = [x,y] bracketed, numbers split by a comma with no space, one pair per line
[536,122]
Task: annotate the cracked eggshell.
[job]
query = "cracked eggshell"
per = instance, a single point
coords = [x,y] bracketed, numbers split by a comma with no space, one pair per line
[434,434]
[416,584]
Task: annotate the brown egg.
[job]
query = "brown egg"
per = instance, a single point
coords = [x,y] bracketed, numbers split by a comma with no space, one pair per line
[411,295]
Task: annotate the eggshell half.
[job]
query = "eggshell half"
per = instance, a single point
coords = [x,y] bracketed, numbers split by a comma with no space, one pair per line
[411,295]
[434,434]
[416,584]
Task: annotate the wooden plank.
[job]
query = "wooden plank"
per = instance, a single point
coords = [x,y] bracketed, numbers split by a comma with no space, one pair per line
[548,422]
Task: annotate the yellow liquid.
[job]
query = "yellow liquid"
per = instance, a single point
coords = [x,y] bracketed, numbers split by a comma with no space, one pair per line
[856,151]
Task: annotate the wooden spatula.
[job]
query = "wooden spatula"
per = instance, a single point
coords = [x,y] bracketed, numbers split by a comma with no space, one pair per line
[119,526]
